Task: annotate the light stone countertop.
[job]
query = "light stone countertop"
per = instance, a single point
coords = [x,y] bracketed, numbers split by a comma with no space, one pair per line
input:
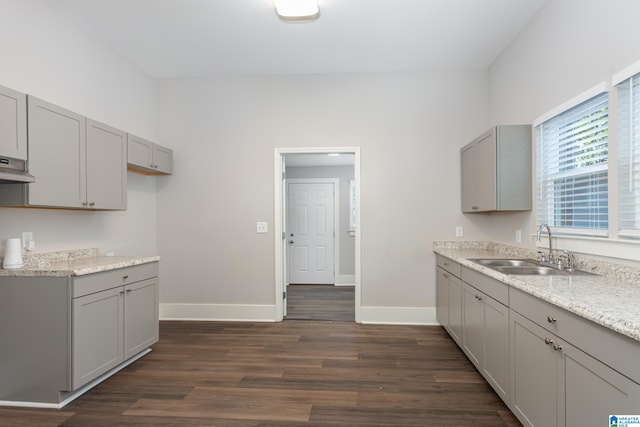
[73,263]
[611,300]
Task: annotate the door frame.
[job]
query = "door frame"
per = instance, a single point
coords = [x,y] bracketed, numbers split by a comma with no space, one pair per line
[280,222]
[336,220]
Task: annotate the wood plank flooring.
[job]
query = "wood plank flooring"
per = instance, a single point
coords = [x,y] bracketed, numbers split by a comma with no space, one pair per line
[291,373]
[321,302]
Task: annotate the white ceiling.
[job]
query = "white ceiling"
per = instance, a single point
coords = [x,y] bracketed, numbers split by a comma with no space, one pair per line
[188,38]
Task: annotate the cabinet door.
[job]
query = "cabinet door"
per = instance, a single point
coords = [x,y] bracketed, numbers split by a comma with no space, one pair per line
[97,334]
[533,373]
[140,316]
[57,156]
[473,324]
[106,167]
[468,169]
[442,298]
[590,391]
[139,152]
[13,123]
[496,347]
[455,308]
[162,159]
[486,179]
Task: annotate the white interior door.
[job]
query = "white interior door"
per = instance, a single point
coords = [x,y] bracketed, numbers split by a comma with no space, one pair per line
[310,234]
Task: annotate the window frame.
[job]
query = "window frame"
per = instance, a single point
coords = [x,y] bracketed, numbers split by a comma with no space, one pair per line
[566,107]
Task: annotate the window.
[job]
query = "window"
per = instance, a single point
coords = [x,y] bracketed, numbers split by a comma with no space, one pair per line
[572,171]
[629,156]
[352,206]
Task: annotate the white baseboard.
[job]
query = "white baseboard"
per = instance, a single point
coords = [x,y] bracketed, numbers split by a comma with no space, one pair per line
[218,312]
[345,279]
[267,313]
[399,315]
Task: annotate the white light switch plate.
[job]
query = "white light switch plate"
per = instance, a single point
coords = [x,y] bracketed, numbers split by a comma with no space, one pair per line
[262,227]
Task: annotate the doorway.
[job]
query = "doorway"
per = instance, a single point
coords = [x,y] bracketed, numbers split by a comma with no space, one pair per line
[307,299]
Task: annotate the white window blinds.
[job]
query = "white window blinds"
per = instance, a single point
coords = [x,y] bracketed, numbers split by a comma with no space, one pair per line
[572,171]
[629,157]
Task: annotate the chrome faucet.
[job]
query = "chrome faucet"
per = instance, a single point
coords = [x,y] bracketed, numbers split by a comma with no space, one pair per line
[540,227]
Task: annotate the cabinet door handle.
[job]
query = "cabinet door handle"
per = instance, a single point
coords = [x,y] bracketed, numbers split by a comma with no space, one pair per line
[548,341]
[92,204]
[128,291]
[125,277]
[557,347]
[551,319]
[121,292]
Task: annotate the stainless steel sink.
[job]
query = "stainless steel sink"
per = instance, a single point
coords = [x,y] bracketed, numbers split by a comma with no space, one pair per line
[506,262]
[525,267]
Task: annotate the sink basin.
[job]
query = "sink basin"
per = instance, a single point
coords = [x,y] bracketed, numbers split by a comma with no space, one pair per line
[536,270]
[524,267]
[506,262]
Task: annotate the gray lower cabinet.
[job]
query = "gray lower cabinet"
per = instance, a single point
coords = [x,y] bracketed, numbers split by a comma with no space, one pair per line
[97,334]
[13,123]
[485,334]
[148,158]
[551,367]
[556,384]
[114,322]
[60,333]
[449,297]
[567,371]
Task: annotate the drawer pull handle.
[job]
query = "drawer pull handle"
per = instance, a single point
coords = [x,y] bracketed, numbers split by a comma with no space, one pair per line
[125,277]
[121,292]
[548,341]
[128,291]
[557,347]
[551,319]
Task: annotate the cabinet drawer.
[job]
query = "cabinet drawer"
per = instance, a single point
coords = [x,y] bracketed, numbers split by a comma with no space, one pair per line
[448,265]
[494,288]
[91,283]
[590,337]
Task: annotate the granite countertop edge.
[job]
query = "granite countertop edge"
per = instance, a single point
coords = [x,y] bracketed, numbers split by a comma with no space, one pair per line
[612,291]
[79,266]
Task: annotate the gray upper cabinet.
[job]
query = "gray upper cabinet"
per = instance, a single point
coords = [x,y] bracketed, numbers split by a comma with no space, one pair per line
[496,170]
[149,158]
[106,167]
[13,124]
[57,156]
[78,163]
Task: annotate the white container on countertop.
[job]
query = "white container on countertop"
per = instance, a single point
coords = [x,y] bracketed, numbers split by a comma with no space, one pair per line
[13,254]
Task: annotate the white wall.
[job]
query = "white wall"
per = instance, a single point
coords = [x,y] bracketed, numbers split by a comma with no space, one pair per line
[569,46]
[409,126]
[47,57]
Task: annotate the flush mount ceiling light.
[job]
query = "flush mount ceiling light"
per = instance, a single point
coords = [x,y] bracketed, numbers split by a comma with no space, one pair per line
[297,9]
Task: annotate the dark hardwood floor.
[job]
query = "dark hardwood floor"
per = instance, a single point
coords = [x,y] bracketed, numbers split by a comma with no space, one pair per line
[321,302]
[291,373]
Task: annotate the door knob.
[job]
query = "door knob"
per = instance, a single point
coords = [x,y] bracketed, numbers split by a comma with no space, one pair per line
[291,242]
